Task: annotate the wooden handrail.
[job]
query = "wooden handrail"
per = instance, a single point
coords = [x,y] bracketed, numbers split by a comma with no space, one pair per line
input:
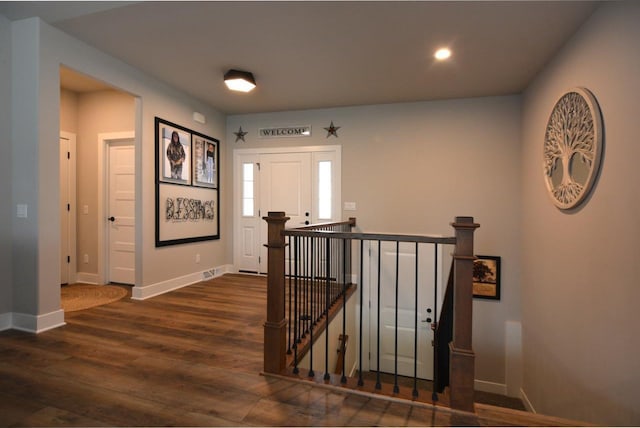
[351,222]
[370,236]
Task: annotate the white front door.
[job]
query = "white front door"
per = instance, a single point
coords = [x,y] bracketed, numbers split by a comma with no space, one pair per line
[285,185]
[304,182]
[397,333]
[121,213]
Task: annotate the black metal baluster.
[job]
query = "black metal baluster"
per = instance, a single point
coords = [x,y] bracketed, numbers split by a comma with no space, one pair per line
[434,325]
[327,376]
[316,310]
[295,302]
[310,310]
[307,277]
[378,384]
[343,379]
[303,285]
[360,381]
[289,320]
[415,332]
[396,388]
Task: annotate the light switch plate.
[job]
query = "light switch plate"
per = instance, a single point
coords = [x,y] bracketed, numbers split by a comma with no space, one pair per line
[21,211]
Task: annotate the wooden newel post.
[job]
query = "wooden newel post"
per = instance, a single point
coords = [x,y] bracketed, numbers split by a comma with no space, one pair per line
[275,339]
[462,357]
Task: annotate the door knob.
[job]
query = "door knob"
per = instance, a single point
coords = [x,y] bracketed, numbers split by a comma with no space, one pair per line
[112,218]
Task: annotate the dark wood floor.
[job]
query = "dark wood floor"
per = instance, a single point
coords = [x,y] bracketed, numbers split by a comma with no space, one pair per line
[191,357]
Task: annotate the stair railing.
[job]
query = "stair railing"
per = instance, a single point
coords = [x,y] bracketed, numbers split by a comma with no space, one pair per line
[326,280]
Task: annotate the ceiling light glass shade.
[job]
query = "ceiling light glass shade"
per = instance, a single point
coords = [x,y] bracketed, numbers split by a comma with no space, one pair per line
[443,53]
[238,80]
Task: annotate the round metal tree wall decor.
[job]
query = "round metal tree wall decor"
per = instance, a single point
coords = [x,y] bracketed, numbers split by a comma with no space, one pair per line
[572,148]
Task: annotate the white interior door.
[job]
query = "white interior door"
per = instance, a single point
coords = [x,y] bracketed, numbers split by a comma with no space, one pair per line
[121,213]
[65,211]
[67,208]
[285,185]
[402,327]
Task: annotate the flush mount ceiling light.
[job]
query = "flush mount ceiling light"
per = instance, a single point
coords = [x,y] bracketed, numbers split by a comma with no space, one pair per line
[442,54]
[238,80]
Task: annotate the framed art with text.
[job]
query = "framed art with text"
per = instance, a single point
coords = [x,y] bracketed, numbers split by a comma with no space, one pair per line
[187,192]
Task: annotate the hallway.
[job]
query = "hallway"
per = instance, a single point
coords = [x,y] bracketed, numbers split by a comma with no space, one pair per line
[191,357]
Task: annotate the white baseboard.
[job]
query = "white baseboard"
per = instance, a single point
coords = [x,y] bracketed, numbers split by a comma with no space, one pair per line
[152,290]
[526,402]
[513,358]
[37,323]
[5,321]
[493,387]
[87,278]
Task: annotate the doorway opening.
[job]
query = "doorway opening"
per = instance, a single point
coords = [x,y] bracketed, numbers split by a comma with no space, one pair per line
[97,120]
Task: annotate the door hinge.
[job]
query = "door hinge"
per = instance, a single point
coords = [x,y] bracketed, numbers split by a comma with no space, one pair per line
[68,155]
[258,164]
[68,259]
[259,259]
[68,207]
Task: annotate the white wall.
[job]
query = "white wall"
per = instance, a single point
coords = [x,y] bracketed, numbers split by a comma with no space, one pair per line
[38,52]
[580,270]
[6,208]
[411,168]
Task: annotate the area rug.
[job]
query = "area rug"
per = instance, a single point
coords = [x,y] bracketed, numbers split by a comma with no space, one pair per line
[77,297]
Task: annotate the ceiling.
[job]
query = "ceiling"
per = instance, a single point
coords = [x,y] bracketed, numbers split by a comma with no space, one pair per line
[318,54]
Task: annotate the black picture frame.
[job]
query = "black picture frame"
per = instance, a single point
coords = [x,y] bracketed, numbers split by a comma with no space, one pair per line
[186,210]
[486,277]
[166,172]
[205,161]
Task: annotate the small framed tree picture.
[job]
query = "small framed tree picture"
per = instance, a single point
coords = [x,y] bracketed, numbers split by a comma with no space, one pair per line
[486,277]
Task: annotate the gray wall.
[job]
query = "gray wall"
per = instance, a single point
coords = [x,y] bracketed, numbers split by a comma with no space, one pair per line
[411,168]
[25,166]
[580,270]
[38,52]
[6,208]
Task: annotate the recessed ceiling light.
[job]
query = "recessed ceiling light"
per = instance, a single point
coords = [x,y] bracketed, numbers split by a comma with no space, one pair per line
[442,54]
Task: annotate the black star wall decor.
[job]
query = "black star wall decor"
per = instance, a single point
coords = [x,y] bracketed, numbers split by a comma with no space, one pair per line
[332,130]
[240,135]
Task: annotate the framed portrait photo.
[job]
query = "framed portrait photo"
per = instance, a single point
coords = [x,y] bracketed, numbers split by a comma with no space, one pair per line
[486,277]
[205,161]
[173,153]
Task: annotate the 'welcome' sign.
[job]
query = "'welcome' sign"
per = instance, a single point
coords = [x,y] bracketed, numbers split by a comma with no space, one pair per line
[289,131]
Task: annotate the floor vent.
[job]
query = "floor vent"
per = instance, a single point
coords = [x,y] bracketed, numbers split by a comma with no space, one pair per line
[208,274]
